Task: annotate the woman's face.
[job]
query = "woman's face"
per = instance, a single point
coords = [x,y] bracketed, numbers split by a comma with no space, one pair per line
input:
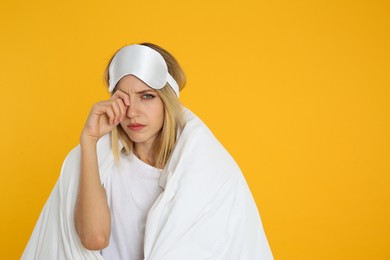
[145,114]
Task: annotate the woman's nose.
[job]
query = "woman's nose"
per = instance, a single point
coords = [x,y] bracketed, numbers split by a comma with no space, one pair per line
[132,109]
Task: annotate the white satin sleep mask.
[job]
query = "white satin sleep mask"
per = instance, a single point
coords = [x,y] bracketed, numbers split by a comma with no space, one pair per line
[143,62]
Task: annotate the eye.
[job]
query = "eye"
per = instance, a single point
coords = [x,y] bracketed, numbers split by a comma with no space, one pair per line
[148,96]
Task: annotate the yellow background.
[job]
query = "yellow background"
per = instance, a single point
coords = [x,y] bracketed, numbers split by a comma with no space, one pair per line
[297,91]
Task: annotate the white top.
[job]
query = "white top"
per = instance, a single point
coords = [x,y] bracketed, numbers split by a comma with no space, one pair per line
[132,188]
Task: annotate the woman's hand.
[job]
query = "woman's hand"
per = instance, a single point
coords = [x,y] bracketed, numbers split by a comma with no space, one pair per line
[92,214]
[104,116]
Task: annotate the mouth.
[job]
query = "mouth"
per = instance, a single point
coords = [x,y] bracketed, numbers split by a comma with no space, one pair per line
[135,127]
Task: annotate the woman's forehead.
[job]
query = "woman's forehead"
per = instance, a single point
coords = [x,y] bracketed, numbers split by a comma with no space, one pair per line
[131,83]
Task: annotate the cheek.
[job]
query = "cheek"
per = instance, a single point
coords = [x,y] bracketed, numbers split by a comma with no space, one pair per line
[156,114]
[123,125]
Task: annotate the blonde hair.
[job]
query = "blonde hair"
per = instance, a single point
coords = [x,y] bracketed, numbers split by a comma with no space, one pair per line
[173,114]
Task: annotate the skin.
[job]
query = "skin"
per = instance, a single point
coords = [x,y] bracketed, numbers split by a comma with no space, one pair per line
[146,108]
[132,103]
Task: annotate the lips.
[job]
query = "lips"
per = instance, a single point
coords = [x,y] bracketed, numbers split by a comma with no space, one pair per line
[135,127]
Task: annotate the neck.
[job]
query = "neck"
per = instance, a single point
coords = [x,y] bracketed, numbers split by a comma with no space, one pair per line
[144,153]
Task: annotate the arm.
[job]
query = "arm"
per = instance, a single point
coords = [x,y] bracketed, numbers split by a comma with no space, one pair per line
[92,215]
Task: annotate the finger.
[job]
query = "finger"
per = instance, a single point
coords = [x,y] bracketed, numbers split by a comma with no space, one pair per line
[122,109]
[99,108]
[122,95]
[111,115]
[117,111]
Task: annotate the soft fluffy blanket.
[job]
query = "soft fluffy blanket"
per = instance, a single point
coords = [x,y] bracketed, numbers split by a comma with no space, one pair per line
[206,210]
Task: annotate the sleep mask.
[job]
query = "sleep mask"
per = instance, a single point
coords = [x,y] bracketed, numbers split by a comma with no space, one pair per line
[143,62]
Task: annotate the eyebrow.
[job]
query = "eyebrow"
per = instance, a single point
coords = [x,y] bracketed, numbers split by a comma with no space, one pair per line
[145,91]
[138,92]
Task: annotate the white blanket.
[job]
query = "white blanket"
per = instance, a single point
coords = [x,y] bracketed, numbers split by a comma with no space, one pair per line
[205,212]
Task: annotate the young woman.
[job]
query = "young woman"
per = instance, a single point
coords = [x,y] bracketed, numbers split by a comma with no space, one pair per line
[148,180]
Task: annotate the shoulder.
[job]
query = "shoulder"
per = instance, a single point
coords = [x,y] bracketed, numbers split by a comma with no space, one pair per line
[198,150]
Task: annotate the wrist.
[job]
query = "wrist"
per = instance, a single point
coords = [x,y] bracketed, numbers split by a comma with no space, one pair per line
[88,140]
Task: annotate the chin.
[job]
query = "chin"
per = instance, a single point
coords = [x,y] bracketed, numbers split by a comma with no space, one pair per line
[137,141]
[137,138]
